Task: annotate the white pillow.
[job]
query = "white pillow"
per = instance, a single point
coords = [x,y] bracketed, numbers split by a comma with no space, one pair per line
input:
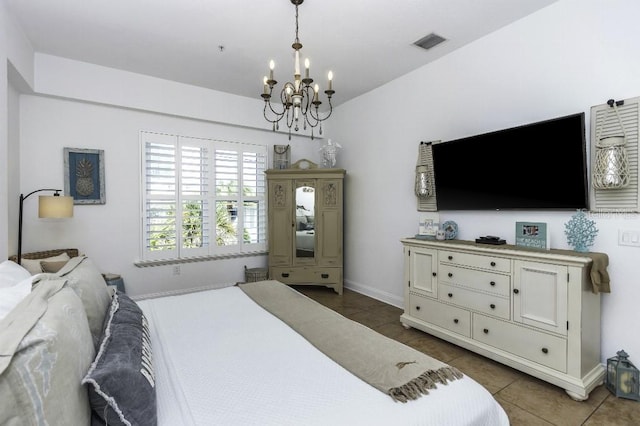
[11,296]
[11,274]
[34,267]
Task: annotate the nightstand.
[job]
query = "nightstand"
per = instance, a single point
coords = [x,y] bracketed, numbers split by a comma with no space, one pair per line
[114,280]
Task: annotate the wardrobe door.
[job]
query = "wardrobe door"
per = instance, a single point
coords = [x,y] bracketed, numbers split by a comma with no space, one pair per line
[329,222]
[281,222]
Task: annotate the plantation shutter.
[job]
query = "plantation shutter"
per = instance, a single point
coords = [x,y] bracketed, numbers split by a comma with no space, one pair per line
[254,165]
[625,199]
[240,181]
[195,205]
[160,184]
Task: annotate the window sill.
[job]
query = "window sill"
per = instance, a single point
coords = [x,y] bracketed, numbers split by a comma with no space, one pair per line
[162,262]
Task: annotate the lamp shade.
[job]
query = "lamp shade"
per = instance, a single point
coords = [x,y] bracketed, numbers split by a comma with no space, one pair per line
[55,206]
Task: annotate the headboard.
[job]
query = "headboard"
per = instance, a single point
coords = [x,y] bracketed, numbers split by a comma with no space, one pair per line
[72,252]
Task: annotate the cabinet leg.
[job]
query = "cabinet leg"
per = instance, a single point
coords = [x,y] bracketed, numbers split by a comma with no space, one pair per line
[576,396]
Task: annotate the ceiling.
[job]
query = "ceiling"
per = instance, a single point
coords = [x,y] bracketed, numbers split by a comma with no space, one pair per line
[366,43]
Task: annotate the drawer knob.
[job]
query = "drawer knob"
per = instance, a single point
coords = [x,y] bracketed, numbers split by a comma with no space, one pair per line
[486,331]
[492,283]
[492,306]
[450,274]
[516,291]
[450,294]
[450,257]
[285,274]
[417,308]
[434,274]
[324,275]
[493,263]
[545,350]
[455,320]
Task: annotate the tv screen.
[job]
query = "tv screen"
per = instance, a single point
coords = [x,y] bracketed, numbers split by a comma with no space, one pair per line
[539,166]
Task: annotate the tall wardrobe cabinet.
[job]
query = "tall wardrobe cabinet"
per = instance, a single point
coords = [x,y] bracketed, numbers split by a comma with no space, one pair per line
[306,225]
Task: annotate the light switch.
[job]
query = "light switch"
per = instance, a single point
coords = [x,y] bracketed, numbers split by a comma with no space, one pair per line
[629,237]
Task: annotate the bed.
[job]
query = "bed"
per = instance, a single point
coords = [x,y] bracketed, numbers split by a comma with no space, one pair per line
[75,352]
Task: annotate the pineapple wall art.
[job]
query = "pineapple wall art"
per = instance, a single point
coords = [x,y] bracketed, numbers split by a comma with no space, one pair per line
[84,175]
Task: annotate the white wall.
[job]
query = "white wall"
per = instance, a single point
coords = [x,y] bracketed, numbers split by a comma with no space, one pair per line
[561,60]
[16,57]
[109,233]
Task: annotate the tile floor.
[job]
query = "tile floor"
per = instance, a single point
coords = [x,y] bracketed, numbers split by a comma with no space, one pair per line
[526,400]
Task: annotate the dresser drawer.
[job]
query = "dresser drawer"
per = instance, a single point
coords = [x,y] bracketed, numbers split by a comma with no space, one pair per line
[488,262]
[486,303]
[538,347]
[445,316]
[488,282]
[307,275]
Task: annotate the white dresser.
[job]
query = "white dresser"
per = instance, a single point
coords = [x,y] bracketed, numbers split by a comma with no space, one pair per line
[533,310]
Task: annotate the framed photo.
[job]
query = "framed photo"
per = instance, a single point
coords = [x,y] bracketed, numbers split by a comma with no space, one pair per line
[84,175]
[532,234]
[429,224]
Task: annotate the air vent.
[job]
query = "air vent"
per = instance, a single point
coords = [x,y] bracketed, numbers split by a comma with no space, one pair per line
[428,41]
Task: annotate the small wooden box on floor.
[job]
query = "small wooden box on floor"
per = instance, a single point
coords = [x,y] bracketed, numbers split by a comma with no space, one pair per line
[306,225]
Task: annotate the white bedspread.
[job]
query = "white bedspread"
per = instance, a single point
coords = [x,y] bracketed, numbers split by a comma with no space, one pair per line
[220,359]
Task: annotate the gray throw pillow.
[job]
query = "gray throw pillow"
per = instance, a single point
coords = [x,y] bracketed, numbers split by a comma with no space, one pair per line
[121,379]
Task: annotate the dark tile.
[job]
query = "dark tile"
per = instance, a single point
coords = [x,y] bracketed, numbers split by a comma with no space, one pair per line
[550,402]
[519,417]
[616,412]
[490,374]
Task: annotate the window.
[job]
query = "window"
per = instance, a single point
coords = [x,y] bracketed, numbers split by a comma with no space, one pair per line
[201,197]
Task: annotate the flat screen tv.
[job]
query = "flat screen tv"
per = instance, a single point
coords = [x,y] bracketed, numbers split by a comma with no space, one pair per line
[539,166]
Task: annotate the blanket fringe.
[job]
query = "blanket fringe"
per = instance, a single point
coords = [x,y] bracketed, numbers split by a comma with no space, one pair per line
[423,383]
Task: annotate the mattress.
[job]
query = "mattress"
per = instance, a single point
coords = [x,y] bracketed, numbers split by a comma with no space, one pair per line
[220,359]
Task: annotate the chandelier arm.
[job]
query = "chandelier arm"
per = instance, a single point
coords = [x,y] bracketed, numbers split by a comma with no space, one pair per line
[278,115]
[317,117]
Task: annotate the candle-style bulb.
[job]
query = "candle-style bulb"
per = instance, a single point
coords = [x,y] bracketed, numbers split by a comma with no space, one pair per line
[306,68]
[330,77]
[266,86]
[272,65]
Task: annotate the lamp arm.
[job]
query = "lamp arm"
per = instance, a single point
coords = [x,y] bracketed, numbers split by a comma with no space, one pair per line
[22,198]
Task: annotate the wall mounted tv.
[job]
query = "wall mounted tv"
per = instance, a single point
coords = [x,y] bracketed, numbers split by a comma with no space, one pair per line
[539,166]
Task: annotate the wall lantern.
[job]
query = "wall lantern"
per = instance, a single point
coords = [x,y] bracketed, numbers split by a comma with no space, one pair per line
[623,377]
[611,165]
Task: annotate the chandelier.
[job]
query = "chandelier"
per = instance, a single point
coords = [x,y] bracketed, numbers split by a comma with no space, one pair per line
[300,101]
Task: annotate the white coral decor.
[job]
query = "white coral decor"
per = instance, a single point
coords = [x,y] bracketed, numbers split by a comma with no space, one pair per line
[580,232]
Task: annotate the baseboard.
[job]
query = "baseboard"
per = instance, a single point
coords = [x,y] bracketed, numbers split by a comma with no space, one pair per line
[382,296]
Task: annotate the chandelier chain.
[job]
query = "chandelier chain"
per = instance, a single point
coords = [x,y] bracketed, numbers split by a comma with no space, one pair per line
[297,39]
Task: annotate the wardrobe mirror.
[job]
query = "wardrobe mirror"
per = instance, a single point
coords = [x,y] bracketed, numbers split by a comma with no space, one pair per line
[305,221]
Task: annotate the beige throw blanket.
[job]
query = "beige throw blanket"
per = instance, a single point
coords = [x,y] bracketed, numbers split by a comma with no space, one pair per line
[391,367]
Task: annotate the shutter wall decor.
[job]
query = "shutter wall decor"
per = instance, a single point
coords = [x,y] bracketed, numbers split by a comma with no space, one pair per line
[425,158]
[625,199]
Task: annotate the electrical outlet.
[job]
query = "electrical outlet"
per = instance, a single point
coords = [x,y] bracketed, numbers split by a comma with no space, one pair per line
[629,237]
[176,270]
